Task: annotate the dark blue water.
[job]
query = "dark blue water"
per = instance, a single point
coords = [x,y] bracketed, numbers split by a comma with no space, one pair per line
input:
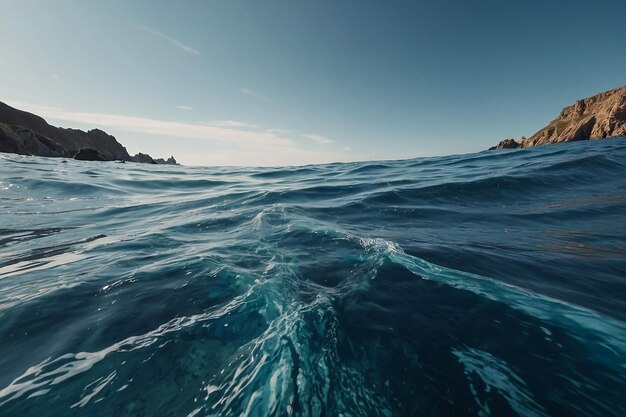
[491,284]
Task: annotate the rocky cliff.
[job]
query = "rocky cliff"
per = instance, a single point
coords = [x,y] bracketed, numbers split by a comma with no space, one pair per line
[597,117]
[28,134]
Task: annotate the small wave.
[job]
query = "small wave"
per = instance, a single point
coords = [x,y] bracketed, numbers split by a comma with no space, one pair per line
[496,374]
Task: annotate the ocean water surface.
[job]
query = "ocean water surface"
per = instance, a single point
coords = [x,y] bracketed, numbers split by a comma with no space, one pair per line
[489,284]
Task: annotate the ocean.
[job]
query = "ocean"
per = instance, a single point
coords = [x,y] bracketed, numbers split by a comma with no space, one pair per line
[487,284]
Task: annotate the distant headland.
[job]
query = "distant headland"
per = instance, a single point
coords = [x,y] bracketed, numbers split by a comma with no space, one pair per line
[597,117]
[28,134]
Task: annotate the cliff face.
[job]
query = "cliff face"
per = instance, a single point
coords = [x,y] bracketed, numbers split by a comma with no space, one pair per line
[72,140]
[19,140]
[596,117]
[28,134]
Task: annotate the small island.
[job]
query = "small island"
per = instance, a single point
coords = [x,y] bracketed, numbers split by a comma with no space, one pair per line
[25,133]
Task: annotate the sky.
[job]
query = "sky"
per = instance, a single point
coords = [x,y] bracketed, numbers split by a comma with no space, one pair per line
[286,82]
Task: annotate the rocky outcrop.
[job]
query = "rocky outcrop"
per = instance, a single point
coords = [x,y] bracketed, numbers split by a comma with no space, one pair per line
[506,144]
[88,154]
[37,144]
[597,117]
[72,140]
[143,158]
[28,134]
[147,159]
[10,142]
[16,139]
[168,161]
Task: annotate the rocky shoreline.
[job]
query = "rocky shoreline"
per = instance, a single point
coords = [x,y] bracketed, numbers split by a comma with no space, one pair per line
[25,133]
[597,117]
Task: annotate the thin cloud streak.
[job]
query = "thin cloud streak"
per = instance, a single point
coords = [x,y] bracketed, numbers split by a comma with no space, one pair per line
[319,139]
[211,132]
[184,107]
[172,41]
[234,123]
[254,94]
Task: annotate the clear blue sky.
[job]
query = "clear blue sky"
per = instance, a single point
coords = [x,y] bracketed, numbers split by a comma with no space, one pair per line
[283,82]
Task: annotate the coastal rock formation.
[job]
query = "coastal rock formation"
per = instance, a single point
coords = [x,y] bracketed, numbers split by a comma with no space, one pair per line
[142,158]
[72,140]
[596,117]
[9,141]
[28,134]
[147,159]
[88,154]
[169,161]
[16,139]
[507,144]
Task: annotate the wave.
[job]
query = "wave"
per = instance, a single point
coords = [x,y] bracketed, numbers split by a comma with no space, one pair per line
[463,285]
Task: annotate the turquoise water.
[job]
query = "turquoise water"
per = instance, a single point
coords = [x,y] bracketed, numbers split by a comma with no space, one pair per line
[472,285]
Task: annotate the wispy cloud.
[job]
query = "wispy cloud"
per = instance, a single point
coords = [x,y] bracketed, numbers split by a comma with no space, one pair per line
[230,132]
[172,41]
[278,130]
[254,94]
[233,123]
[319,139]
[184,107]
